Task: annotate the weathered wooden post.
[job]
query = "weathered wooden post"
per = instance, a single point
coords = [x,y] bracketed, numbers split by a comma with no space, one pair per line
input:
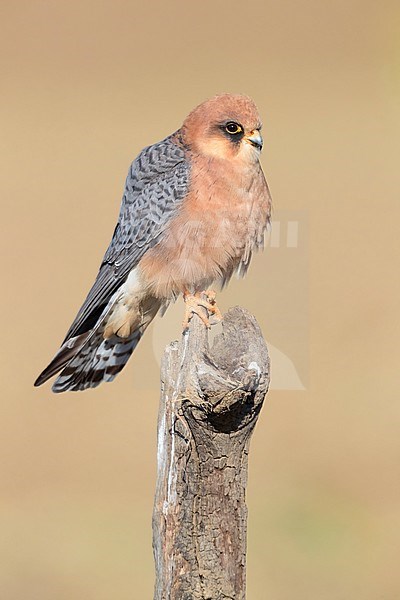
[210,401]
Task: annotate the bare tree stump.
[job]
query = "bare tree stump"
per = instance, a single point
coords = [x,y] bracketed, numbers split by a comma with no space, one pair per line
[210,401]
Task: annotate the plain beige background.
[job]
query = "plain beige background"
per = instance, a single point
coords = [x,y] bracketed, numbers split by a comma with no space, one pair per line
[84,86]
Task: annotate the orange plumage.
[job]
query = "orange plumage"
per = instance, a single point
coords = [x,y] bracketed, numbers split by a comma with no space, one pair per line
[195,207]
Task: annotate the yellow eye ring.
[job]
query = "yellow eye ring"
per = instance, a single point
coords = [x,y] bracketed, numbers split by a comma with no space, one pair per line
[233,128]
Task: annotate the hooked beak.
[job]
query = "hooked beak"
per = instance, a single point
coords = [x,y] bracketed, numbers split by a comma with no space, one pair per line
[255,139]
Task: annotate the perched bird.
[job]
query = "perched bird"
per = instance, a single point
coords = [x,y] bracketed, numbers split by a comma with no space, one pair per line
[194,208]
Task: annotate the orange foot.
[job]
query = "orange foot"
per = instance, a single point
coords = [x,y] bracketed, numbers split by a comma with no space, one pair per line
[194,304]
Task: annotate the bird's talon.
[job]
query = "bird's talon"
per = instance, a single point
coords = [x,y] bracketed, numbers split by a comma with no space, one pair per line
[195,304]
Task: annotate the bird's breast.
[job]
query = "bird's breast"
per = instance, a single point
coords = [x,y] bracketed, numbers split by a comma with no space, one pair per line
[218,223]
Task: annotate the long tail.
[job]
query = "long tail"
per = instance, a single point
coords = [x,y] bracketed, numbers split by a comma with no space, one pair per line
[98,360]
[88,359]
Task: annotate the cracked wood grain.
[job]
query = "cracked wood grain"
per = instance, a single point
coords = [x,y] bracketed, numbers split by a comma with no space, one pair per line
[210,402]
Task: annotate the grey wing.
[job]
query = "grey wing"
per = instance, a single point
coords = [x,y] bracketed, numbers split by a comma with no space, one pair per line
[156,185]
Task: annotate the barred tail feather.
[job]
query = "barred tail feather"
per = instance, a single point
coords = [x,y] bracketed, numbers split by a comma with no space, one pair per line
[98,360]
[88,359]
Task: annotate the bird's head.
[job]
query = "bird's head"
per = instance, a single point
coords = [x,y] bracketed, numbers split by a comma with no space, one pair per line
[226,127]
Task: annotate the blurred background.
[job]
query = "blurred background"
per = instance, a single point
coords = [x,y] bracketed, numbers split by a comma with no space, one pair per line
[84,86]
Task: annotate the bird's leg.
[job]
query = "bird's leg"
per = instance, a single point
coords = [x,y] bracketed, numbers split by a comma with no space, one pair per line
[194,303]
[212,304]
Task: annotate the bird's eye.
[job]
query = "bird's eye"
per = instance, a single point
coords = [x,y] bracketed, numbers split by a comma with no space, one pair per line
[233,128]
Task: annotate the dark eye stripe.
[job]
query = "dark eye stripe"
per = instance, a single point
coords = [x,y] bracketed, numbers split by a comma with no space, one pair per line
[232,130]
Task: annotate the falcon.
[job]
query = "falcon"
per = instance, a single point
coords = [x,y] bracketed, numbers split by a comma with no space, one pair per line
[195,207]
